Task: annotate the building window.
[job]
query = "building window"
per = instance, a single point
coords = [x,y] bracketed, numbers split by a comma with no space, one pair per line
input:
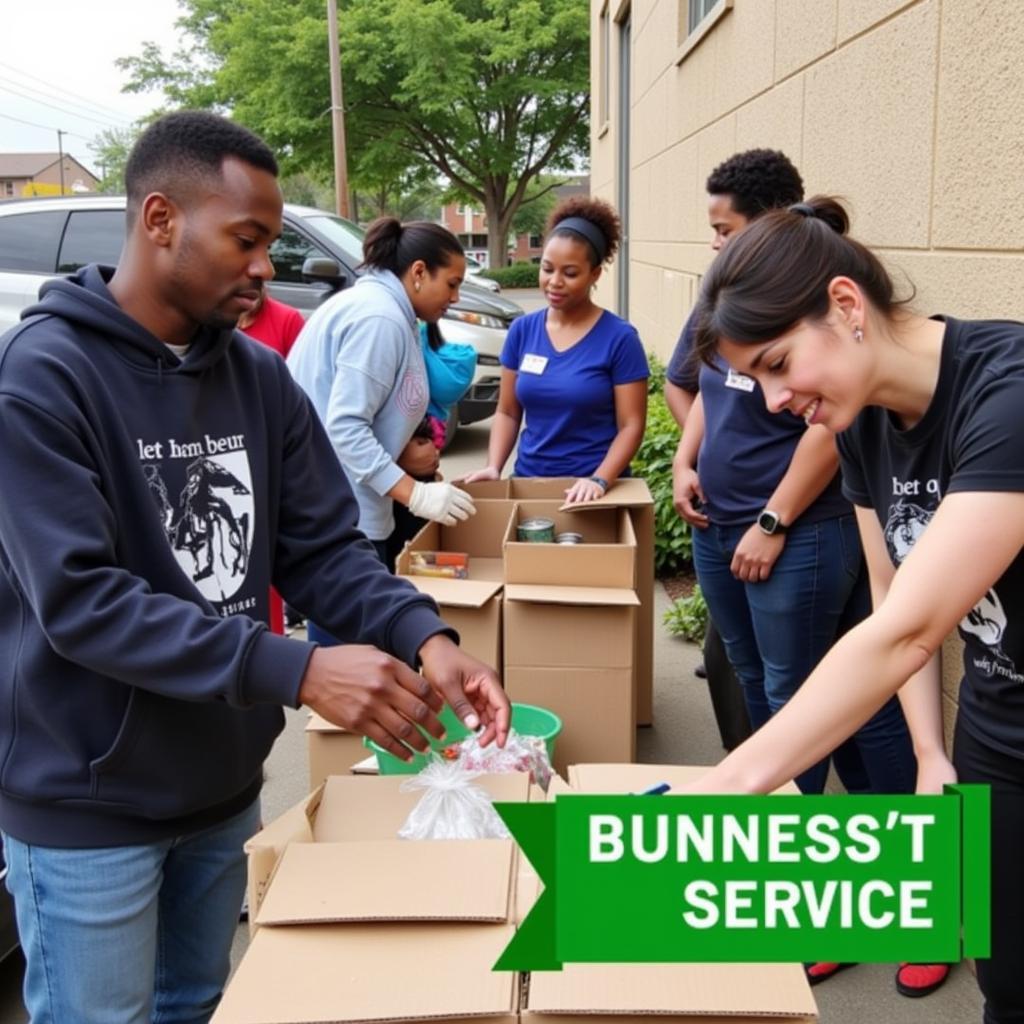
[8,188]
[696,19]
[699,10]
[536,241]
[604,70]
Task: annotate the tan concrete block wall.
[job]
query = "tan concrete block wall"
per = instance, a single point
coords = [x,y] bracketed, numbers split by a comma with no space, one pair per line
[856,16]
[868,131]
[979,149]
[804,31]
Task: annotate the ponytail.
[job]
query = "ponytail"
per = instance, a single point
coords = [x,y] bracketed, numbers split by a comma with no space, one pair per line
[391,245]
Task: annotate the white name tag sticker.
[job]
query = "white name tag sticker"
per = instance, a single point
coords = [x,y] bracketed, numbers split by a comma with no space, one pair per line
[739,381]
[534,364]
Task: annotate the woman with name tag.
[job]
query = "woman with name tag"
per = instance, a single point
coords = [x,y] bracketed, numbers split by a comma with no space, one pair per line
[577,372]
[930,415]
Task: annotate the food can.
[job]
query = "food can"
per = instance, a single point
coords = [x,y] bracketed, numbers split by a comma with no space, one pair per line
[569,538]
[536,531]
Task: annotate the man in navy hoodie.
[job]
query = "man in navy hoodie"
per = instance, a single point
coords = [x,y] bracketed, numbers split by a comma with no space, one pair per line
[159,473]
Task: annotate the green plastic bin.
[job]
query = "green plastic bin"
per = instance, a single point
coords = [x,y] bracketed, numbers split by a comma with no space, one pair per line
[527,720]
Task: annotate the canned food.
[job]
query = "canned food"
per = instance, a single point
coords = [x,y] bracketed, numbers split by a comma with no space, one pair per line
[536,531]
[569,538]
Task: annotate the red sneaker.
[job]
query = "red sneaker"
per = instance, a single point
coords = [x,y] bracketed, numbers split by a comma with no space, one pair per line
[822,970]
[916,980]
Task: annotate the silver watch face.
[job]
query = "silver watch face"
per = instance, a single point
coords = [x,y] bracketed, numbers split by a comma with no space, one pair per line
[768,521]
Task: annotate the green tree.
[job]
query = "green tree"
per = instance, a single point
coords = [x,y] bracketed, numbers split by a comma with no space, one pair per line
[532,216]
[488,93]
[111,148]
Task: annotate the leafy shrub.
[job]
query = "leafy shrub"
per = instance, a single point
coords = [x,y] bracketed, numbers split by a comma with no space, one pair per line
[518,275]
[653,462]
[688,617]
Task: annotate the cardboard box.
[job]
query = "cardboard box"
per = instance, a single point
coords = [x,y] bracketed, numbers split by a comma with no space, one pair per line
[675,993]
[480,536]
[633,495]
[470,606]
[332,750]
[570,649]
[354,925]
[606,557]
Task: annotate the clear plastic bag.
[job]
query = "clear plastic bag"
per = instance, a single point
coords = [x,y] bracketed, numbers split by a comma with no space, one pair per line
[451,807]
[520,754]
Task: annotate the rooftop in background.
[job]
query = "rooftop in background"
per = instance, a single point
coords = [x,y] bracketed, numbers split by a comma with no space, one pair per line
[39,174]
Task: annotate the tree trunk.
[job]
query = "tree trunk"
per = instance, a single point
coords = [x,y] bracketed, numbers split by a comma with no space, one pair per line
[497,229]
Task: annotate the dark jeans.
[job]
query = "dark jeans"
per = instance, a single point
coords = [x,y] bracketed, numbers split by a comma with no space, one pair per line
[775,632]
[319,635]
[1001,977]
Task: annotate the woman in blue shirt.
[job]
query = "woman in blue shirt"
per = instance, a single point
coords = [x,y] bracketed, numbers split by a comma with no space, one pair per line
[577,372]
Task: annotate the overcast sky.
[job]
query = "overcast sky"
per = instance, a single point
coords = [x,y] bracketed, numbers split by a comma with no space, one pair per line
[57,69]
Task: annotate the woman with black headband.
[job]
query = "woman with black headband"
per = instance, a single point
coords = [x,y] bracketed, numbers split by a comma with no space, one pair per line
[576,371]
[929,413]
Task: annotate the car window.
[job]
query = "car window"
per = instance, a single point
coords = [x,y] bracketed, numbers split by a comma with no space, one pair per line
[288,254]
[28,241]
[348,237]
[92,236]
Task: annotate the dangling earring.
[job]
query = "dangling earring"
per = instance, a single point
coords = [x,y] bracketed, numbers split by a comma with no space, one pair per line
[858,334]
[416,285]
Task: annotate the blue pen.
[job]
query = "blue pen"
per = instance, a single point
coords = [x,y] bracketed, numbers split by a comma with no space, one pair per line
[657,790]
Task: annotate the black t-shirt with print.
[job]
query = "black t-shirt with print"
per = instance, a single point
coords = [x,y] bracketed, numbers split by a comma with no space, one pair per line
[971,438]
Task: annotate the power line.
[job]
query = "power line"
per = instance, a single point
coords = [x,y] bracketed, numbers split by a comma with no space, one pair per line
[45,127]
[88,108]
[63,110]
[99,107]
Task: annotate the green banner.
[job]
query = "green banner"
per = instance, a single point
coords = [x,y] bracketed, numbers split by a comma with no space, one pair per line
[704,879]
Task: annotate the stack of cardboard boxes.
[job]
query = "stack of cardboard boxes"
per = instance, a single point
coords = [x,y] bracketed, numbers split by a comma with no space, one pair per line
[568,627]
[351,924]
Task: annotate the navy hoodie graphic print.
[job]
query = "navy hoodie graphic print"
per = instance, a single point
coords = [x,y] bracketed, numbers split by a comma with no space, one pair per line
[147,503]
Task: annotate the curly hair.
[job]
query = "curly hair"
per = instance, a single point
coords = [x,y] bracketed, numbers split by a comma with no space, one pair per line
[601,214]
[757,180]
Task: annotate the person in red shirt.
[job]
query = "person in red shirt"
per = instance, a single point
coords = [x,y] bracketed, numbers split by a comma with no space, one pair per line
[276,325]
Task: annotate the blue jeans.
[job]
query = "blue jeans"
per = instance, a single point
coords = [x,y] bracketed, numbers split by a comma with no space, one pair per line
[775,632]
[129,934]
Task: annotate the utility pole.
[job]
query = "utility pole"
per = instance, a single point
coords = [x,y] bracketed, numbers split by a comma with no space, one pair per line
[60,153]
[337,113]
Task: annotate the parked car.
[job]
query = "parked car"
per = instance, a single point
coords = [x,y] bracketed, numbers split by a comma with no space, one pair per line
[473,270]
[317,254]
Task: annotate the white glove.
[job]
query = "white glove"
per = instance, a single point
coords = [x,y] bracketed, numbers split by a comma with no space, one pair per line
[442,502]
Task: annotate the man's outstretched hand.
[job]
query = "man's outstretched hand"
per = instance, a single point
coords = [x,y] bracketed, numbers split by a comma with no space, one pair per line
[371,693]
[469,686]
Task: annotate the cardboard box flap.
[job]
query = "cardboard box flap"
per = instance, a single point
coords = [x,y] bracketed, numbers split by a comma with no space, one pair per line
[630,492]
[294,826]
[318,723]
[355,808]
[457,593]
[545,594]
[325,974]
[635,778]
[733,990]
[391,880]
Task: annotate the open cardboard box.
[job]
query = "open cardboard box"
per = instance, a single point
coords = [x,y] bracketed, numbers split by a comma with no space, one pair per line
[673,993]
[606,557]
[471,606]
[631,494]
[355,925]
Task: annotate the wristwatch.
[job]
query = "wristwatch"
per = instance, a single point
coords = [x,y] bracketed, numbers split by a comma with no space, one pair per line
[601,482]
[770,523]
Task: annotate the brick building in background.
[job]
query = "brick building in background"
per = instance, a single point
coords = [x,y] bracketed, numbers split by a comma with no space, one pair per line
[470,225]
